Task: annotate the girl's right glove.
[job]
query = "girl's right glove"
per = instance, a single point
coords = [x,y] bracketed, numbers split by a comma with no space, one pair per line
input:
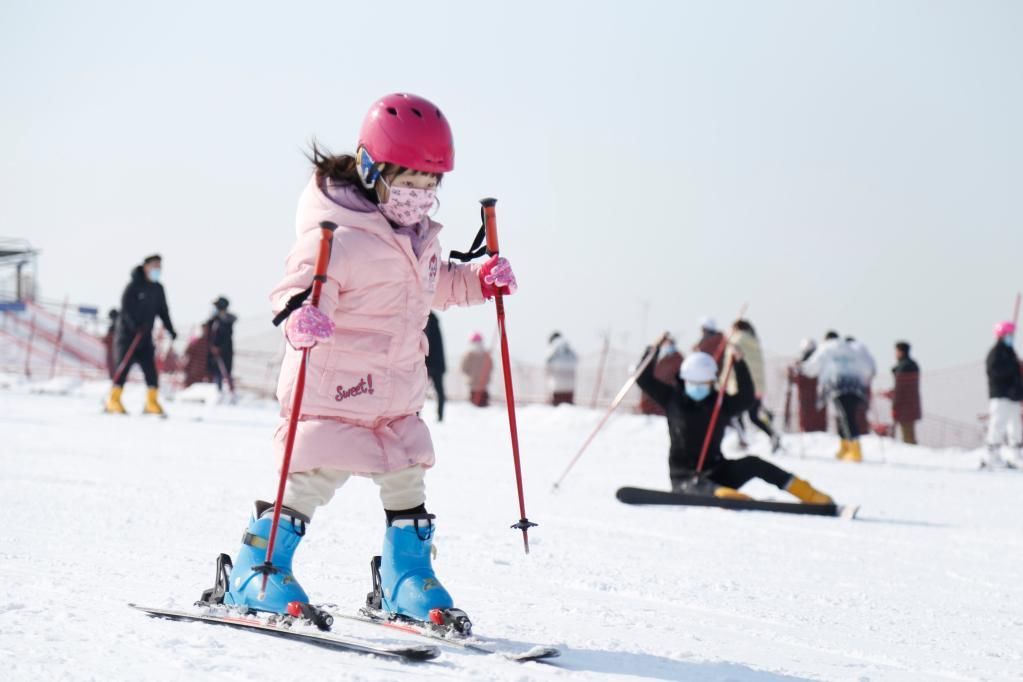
[306,326]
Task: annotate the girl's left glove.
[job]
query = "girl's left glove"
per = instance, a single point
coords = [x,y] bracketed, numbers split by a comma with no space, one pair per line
[496,276]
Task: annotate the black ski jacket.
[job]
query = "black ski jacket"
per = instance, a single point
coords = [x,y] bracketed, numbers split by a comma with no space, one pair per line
[220,335]
[435,363]
[1003,373]
[141,303]
[688,420]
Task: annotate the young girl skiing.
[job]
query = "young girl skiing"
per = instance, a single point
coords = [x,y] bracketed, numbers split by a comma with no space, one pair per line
[366,378]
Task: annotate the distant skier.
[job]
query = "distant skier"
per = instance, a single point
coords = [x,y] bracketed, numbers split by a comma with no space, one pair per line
[843,371]
[109,342]
[1005,389]
[142,302]
[560,367]
[220,344]
[666,368]
[689,408]
[744,337]
[436,365]
[870,367]
[712,341]
[812,417]
[906,407]
[366,378]
[477,366]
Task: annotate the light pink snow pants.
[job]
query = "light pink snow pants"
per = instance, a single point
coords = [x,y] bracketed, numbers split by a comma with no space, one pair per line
[401,489]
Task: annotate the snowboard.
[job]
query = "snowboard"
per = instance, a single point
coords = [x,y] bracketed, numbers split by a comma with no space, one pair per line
[662,497]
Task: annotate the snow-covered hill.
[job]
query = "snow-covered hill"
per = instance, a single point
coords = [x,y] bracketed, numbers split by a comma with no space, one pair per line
[99,511]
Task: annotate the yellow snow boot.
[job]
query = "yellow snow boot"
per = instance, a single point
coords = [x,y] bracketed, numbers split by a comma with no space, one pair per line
[727,493]
[114,405]
[152,405]
[854,453]
[843,448]
[806,492]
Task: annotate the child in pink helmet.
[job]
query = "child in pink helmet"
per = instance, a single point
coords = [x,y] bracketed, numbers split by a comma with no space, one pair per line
[366,379]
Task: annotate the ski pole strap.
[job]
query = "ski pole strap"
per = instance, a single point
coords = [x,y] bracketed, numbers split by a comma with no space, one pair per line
[475,251]
[294,303]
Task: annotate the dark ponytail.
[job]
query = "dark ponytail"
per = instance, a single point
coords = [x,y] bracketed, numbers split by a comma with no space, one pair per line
[342,169]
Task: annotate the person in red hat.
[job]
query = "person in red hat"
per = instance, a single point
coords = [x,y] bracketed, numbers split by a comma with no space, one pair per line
[367,378]
[477,366]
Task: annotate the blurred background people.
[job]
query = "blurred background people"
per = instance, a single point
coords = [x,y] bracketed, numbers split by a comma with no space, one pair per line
[560,367]
[220,344]
[477,366]
[843,374]
[666,368]
[1005,390]
[811,415]
[109,342]
[744,337]
[436,365]
[907,409]
[142,302]
[711,340]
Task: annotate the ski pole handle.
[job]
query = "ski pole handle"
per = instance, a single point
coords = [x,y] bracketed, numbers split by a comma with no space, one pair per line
[322,259]
[490,221]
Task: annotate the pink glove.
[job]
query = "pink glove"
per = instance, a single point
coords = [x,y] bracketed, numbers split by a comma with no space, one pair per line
[306,326]
[496,276]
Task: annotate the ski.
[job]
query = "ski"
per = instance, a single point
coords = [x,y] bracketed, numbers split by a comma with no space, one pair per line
[661,497]
[443,636]
[281,626]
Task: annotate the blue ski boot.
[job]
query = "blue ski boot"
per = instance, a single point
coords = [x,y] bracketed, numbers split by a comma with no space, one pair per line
[245,583]
[404,584]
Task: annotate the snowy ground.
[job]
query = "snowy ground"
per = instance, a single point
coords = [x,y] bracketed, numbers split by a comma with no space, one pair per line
[99,511]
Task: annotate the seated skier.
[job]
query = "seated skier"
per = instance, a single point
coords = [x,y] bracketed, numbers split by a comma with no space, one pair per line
[689,408]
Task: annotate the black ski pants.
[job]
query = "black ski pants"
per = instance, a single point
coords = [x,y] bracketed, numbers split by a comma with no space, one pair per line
[757,414]
[145,357]
[735,473]
[438,386]
[847,406]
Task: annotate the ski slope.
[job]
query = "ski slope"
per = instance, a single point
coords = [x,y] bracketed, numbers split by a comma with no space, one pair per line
[99,511]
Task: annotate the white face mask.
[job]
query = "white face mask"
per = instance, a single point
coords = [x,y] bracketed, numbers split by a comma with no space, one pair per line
[407,205]
[154,275]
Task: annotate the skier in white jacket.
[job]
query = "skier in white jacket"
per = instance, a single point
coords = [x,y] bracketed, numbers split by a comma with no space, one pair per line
[844,370]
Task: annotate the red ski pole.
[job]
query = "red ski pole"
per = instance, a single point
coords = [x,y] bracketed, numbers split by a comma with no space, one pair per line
[319,277]
[493,249]
[714,415]
[127,356]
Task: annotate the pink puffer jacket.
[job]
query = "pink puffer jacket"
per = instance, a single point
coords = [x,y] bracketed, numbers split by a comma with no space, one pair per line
[365,386]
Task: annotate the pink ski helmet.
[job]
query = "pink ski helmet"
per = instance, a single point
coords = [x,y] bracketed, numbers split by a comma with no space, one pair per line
[406,130]
[1004,329]
[476,338]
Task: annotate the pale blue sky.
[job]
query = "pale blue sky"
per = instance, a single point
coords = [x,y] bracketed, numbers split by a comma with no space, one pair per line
[855,165]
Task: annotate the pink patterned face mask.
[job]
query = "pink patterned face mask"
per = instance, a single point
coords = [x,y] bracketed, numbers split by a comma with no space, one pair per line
[407,205]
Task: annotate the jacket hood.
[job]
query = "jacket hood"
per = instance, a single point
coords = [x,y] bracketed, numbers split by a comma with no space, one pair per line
[138,274]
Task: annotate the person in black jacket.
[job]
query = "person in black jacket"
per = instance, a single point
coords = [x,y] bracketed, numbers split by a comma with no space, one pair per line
[142,302]
[220,344]
[1005,389]
[435,363]
[689,408]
